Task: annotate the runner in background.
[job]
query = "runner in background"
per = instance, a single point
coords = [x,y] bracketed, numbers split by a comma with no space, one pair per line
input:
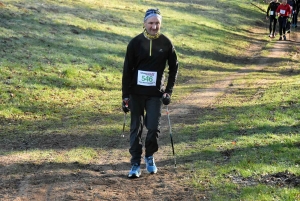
[283,12]
[297,13]
[290,21]
[271,15]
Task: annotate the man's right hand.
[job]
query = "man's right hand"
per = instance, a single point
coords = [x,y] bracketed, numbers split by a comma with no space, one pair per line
[125,105]
[166,99]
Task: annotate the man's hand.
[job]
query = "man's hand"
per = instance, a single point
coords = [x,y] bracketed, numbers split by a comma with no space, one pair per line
[125,105]
[166,99]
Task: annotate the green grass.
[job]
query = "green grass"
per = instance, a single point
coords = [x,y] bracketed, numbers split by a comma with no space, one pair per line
[61,68]
[259,126]
[63,59]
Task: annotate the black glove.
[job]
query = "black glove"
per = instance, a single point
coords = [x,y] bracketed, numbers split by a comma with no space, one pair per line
[125,105]
[166,99]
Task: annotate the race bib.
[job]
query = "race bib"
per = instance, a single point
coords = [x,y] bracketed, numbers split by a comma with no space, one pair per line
[282,12]
[271,12]
[146,78]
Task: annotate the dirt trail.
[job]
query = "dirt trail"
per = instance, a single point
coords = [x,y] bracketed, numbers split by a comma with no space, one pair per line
[108,180]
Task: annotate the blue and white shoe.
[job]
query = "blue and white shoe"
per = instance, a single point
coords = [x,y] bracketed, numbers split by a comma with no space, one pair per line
[135,171]
[150,165]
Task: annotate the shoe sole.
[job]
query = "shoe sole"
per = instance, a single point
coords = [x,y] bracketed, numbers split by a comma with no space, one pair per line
[134,176]
[153,172]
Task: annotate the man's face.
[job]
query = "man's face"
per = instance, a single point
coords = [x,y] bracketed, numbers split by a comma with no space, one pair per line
[152,25]
[284,2]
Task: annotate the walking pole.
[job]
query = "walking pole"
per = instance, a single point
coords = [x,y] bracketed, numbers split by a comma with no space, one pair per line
[290,30]
[171,137]
[124,125]
[126,109]
[267,27]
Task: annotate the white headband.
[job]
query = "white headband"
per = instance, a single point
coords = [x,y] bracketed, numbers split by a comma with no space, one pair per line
[151,15]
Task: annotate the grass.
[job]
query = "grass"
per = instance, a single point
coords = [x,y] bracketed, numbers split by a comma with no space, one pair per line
[65,61]
[256,127]
[60,90]
[252,131]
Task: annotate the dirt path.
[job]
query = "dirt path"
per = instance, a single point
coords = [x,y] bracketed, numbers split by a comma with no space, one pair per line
[107,180]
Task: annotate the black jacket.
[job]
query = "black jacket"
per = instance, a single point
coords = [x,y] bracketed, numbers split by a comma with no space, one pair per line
[292,3]
[272,7]
[297,5]
[149,56]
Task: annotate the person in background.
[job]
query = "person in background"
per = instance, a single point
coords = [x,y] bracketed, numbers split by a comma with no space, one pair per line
[143,88]
[283,12]
[296,13]
[271,15]
[290,21]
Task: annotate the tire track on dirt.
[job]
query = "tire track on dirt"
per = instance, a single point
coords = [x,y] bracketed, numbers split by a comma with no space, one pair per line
[24,186]
[49,192]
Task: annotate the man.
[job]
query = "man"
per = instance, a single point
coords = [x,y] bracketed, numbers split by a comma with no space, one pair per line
[290,21]
[283,12]
[296,13]
[271,15]
[143,88]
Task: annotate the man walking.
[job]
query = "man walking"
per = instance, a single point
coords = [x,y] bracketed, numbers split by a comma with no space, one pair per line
[283,12]
[143,88]
[296,13]
[290,22]
[271,15]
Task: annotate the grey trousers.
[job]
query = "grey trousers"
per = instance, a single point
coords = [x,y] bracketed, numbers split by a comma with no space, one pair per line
[139,104]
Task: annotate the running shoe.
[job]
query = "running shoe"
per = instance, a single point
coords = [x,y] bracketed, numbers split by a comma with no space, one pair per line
[135,171]
[150,165]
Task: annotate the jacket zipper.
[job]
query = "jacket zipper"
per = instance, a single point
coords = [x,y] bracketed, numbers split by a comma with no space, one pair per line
[150,48]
